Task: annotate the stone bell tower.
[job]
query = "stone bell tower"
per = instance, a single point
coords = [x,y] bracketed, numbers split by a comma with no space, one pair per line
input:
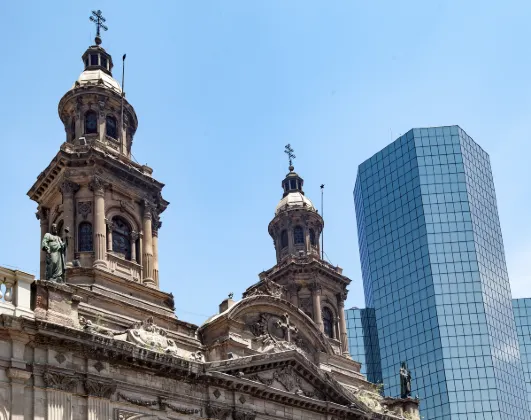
[110,204]
[313,285]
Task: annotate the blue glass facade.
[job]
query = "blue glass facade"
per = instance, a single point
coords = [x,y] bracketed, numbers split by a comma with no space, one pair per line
[522,317]
[434,271]
[363,342]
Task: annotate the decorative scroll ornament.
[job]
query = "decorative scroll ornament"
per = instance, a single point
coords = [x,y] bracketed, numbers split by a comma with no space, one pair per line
[84,208]
[265,287]
[59,381]
[68,187]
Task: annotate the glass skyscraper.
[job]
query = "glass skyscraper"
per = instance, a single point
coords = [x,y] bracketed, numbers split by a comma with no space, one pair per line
[434,271]
[522,317]
[363,342]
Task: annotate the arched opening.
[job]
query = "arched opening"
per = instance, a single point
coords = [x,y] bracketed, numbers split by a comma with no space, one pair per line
[91,122]
[121,237]
[85,237]
[284,239]
[328,322]
[312,237]
[110,127]
[298,235]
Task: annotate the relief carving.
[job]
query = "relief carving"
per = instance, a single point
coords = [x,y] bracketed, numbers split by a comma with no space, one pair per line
[84,208]
[139,401]
[243,415]
[265,287]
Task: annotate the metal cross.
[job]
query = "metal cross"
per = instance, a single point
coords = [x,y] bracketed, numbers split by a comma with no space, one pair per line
[98,19]
[289,151]
[287,327]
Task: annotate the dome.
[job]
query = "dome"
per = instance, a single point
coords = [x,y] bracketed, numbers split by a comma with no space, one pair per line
[294,199]
[97,76]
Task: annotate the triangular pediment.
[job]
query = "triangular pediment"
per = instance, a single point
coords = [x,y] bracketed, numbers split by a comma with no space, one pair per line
[289,371]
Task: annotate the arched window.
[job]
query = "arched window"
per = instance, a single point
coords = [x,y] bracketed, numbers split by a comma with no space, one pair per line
[312,237]
[110,126]
[85,236]
[91,122]
[73,129]
[284,239]
[121,237]
[328,322]
[298,235]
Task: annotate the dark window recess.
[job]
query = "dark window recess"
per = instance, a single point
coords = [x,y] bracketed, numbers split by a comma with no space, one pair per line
[91,122]
[292,184]
[284,239]
[298,235]
[85,237]
[121,237]
[86,62]
[93,60]
[110,127]
[73,129]
[328,322]
[312,237]
[104,61]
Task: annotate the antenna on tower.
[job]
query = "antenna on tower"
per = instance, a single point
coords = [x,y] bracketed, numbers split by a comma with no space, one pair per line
[322,215]
[124,140]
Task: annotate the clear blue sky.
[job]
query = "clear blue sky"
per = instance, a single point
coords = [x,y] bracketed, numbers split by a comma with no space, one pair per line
[221,86]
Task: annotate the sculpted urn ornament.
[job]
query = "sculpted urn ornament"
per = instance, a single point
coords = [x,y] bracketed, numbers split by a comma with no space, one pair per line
[55,249]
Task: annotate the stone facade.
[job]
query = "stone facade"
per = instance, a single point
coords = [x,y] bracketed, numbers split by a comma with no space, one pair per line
[105,344]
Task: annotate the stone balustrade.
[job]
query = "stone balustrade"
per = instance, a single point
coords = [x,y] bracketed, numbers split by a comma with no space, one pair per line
[15,292]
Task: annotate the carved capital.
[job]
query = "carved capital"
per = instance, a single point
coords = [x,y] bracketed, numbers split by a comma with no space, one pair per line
[18,375]
[156,226]
[100,388]
[60,381]
[315,288]
[109,224]
[217,412]
[42,214]
[97,185]
[243,415]
[134,235]
[68,187]
[150,210]
[341,297]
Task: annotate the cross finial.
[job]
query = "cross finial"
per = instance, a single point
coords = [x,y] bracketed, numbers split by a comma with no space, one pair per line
[98,19]
[289,151]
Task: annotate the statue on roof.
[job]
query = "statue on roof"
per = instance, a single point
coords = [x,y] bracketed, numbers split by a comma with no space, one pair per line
[55,249]
[405,381]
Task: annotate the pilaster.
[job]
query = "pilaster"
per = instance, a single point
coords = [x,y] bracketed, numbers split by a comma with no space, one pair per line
[68,190]
[317,315]
[147,252]
[18,379]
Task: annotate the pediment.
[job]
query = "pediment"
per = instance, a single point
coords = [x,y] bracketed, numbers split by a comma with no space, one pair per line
[288,372]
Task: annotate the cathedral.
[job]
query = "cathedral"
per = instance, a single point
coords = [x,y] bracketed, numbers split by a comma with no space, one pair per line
[95,338]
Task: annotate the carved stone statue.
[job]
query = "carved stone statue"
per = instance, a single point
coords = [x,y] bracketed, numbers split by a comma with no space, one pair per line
[55,250]
[405,381]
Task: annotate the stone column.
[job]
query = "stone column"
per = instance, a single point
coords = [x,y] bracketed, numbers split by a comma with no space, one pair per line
[156,225]
[101,120]
[110,226]
[18,379]
[98,187]
[68,190]
[147,247]
[336,328]
[341,297]
[317,316]
[134,237]
[42,215]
